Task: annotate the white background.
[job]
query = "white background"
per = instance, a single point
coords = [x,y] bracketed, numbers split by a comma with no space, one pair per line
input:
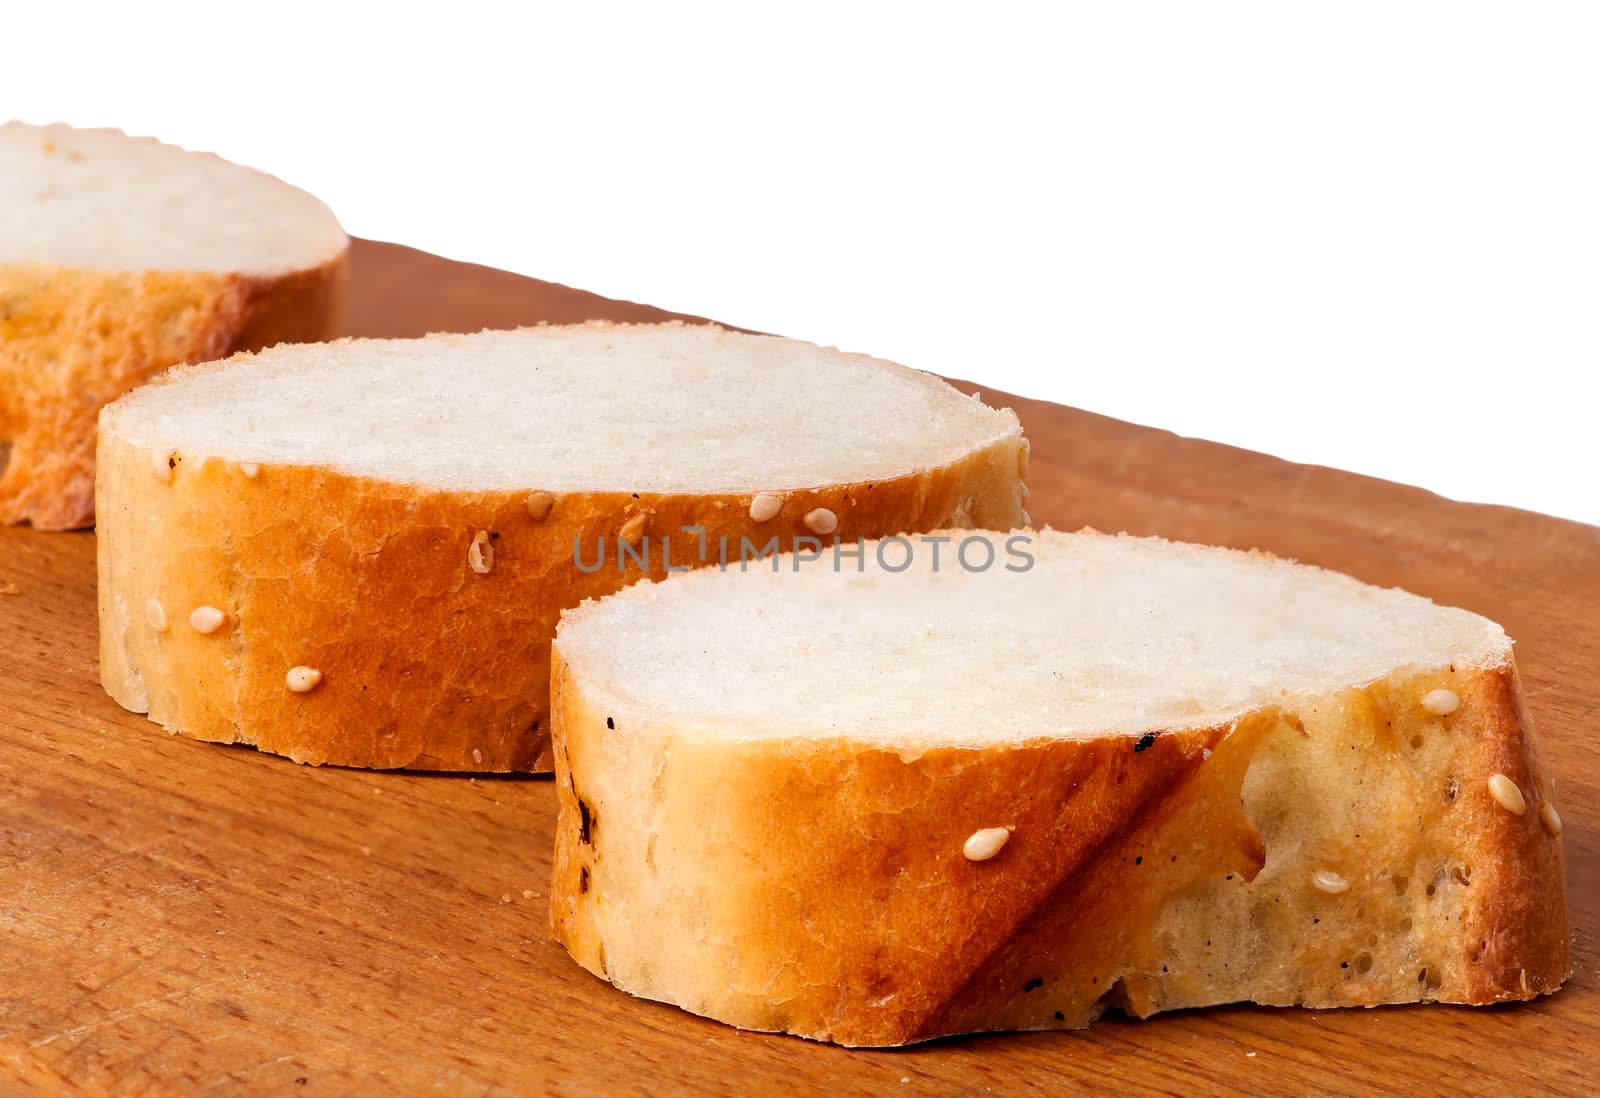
[1364,235]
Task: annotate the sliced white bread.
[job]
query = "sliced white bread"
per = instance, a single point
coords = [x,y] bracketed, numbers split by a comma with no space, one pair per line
[119,257]
[356,552]
[879,807]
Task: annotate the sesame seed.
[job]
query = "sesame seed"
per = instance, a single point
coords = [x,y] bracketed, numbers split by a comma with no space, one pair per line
[632,529]
[1022,457]
[480,555]
[821,521]
[249,469]
[1550,818]
[156,615]
[477,757]
[539,504]
[1441,702]
[206,619]
[1023,493]
[985,844]
[161,466]
[1506,794]
[1326,880]
[1027,521]
[765,506]
[527,894]
[301,679]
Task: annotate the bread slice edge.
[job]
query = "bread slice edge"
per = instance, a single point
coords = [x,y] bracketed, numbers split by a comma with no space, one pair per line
[1354,851]
[424,661]
[157,319]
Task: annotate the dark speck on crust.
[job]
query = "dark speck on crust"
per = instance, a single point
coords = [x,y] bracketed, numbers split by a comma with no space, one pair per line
[1060,1017]
[611,724]
[1144,741]
[587,823]
[583,879]
[1036,982]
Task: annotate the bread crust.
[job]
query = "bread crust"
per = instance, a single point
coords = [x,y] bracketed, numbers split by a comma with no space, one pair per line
[72,340]
[425,662]
[818,887]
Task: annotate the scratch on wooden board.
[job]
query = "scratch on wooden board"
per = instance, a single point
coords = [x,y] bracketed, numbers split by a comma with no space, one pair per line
[136,1010]
[240,1076]
[117,857]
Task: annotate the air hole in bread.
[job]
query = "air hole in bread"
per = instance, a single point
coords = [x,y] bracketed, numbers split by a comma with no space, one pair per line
[1114,998]
[5,455]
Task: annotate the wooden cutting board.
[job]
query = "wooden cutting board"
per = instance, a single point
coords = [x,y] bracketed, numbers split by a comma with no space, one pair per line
[177,916]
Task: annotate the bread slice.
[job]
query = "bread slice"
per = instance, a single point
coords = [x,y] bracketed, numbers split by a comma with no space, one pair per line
[120,256]
[883,806]
[404,520]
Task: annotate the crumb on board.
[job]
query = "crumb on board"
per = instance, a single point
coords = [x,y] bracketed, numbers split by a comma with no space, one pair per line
[527,894]
[9,588]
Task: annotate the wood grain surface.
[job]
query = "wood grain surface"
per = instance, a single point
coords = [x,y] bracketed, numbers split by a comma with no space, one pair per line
[178,917]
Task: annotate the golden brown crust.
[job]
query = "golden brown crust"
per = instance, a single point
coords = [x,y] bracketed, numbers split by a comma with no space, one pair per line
[1346,853]
[425,663]
[1520,919]
[73,340]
